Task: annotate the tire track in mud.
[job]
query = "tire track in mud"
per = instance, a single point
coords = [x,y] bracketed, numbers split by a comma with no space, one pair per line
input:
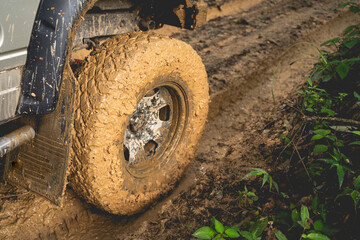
[240,52]
[229,122]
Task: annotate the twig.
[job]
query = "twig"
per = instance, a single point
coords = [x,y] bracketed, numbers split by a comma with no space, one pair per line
[297,110]
[333,119]
[15,195]
[291,142]
[301,160]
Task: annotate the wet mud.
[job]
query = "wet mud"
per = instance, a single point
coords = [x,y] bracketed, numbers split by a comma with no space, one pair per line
[240,50]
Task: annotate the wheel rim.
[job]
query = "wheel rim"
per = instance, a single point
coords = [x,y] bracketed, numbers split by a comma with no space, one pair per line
[155,128]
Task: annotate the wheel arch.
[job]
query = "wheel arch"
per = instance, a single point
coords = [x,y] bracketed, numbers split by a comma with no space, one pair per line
[54,26]
[54,31]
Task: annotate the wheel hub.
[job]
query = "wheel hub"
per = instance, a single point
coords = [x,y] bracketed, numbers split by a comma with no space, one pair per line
[149,126]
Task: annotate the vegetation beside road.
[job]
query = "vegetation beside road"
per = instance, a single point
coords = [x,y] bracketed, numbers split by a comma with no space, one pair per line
[313,188]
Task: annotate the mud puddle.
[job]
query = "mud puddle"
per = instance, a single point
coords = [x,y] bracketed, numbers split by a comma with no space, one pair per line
[240,52]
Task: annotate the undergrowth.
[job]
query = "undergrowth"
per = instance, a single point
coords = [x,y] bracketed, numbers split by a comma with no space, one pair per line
[317,196]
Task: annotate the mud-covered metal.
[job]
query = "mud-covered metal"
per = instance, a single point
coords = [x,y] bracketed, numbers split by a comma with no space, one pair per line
[15,139]
[149,126]
[104,24]
[41,165]
[9,93]
[47,53]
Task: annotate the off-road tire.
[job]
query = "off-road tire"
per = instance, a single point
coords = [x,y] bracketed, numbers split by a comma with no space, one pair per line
[114,79]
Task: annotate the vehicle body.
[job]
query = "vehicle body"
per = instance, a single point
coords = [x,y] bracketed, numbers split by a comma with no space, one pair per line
[37,38]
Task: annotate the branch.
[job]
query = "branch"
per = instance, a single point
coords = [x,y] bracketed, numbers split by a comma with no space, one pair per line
[334,119]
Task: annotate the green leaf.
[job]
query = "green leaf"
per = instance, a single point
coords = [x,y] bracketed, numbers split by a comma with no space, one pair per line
[352,60]
[276,186]
[270,182]
[304,214]
[218,236]
[351,43]
[259,227]
[295,216]
[357,183]
[279,235]
[341,173]
[355,143]
[322,132]
[354,9]
[327,77]
[310,81]
[266,176]
[318,225]
[357,96]
[219,227]
[330,42]
[320,148]
[355,195]
[317,236]
[315,203]
[301,92]
[329,161]
[322,212]
[346,4]
[232,233]
[317,75]
[204,233]
[247,235]
[348,29]
[316,137]
[356,132]
[353,33]
[255,172]
[331,137]
[342,69]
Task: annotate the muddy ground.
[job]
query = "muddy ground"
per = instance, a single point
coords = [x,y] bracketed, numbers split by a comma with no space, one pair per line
[241,47]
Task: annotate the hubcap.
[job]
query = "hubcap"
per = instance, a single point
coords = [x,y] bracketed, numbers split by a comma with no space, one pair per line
[154,125]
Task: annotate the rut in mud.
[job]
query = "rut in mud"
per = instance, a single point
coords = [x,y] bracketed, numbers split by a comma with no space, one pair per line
[240,52]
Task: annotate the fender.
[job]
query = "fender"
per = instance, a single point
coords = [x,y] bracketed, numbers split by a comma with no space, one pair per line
[54,30]
[50,42]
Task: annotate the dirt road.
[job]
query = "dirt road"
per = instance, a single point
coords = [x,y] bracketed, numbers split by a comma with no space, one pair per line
[241,48]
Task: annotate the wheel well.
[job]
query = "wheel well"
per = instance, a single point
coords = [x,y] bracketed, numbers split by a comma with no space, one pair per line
[64,25]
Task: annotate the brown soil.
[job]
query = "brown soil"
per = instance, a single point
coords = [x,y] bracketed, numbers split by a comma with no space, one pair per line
[240,52]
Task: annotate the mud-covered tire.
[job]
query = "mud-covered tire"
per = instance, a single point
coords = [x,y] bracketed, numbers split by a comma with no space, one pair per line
[111,84]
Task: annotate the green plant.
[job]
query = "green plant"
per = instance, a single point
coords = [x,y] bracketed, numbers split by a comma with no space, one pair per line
[255,231]
[316,100]
[337,159]
[266,177]
[335,66]
[311,229]
[353,193]
[354,7]
[247,197]
[217,231]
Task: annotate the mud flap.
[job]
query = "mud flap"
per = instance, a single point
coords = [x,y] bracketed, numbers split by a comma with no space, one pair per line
[41,166]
